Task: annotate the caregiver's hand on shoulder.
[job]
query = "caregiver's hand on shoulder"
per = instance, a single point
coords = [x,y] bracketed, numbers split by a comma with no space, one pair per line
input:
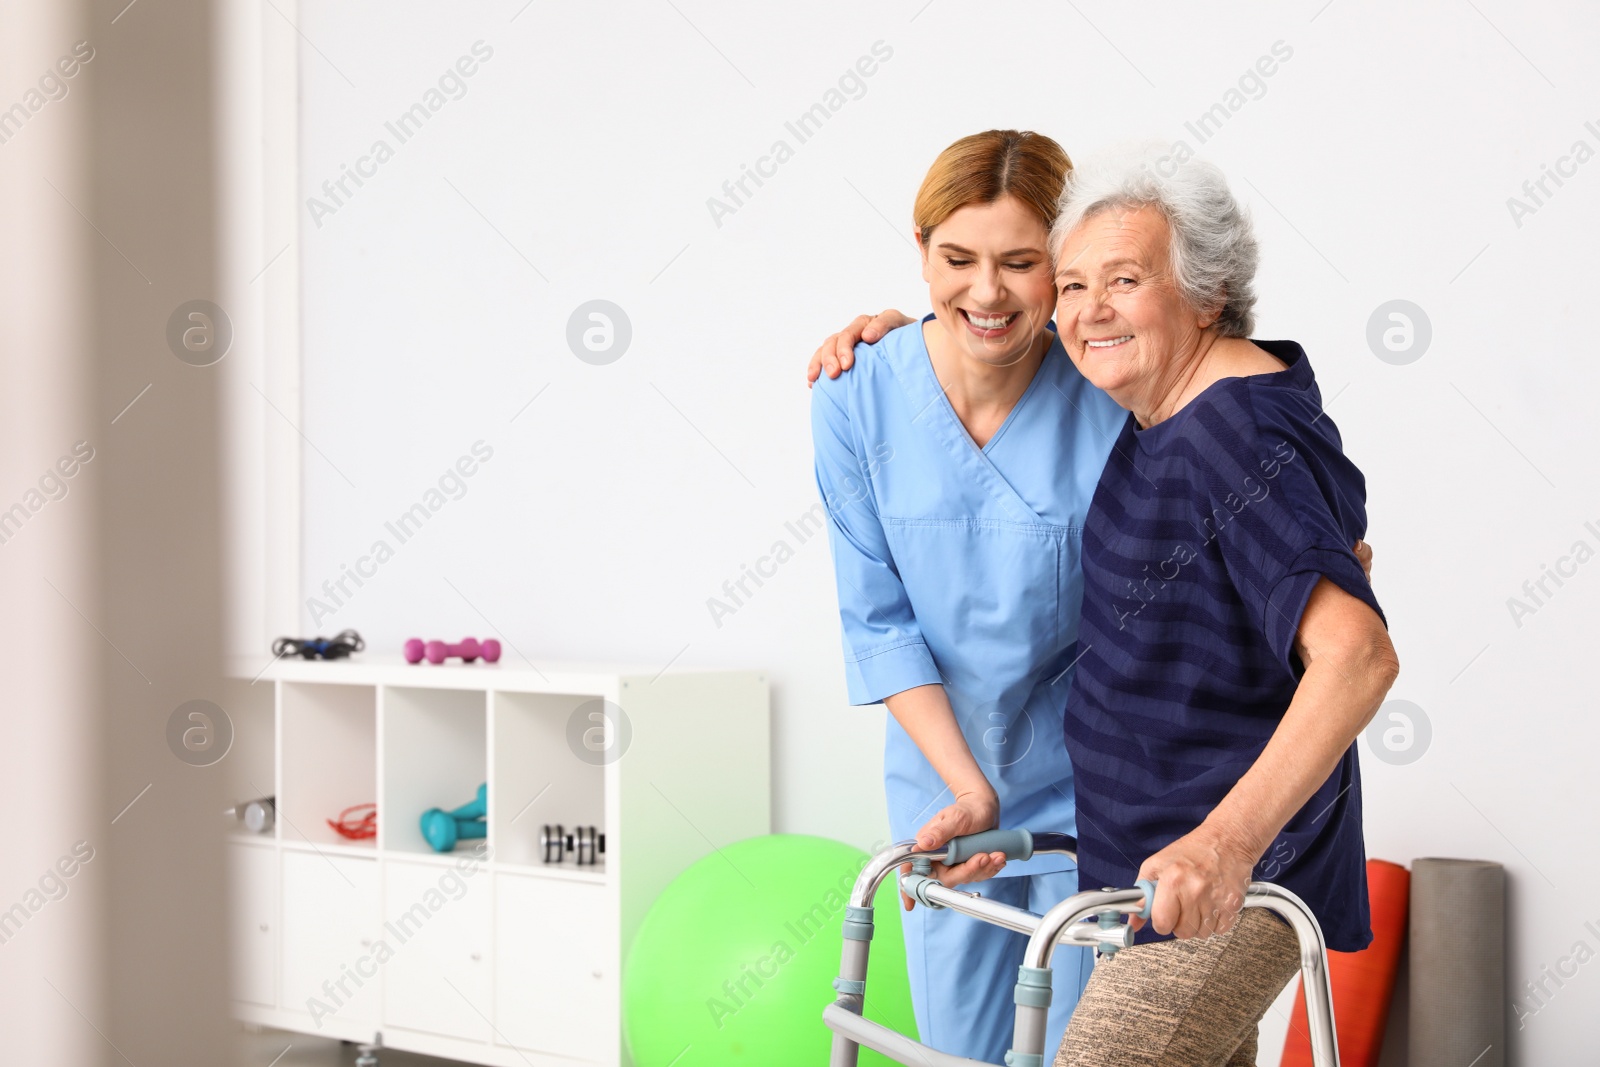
[1201,880]
[970,814]
[838,353]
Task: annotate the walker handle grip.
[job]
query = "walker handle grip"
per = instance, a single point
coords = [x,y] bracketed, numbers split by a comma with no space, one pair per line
[1016,844]
[1149,887]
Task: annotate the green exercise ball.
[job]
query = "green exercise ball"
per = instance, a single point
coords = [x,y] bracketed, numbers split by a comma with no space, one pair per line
[736,959]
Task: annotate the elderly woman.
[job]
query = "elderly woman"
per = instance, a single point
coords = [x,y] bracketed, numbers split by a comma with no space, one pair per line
[1232,649]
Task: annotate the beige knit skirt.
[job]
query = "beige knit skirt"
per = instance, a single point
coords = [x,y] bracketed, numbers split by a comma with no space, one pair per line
[1193,1003]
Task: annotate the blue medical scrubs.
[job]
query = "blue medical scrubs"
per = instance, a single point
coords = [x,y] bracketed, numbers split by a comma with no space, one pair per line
[960,566]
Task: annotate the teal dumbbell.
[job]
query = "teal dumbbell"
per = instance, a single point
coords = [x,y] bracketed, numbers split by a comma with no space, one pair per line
[442,829]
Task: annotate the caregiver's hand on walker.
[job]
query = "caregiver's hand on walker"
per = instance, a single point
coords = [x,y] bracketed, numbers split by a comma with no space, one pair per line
[924,713]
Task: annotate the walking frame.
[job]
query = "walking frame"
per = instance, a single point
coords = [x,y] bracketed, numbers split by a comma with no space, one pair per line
[1065,923]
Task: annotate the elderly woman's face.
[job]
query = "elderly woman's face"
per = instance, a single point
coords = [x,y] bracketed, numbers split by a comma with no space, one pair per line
[1121,318]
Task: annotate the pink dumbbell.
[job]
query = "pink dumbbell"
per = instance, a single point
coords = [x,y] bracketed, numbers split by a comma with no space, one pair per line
[437,651]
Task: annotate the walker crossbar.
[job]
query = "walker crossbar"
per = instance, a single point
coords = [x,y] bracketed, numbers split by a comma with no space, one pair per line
[1063,923]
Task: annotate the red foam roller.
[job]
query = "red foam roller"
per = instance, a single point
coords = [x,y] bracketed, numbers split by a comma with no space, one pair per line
[1362,982]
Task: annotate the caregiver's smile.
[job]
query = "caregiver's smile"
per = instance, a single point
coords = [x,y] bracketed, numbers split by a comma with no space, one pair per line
[989,278]
[989,326]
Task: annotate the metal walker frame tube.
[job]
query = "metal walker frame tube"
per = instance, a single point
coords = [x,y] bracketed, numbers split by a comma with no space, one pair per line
[1061,924]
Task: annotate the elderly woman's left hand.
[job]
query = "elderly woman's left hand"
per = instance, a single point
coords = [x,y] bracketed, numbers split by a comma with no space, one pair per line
[1201,880]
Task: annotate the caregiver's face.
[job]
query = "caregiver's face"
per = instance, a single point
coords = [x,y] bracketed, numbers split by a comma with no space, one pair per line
[988,275]
[1121,318]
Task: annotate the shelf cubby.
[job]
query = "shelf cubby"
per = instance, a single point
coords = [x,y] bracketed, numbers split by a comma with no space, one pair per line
[539,779]
[330,759]
[248,765]
[435,755]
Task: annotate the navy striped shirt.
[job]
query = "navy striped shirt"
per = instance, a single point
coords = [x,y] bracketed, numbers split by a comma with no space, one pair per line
[1201,547]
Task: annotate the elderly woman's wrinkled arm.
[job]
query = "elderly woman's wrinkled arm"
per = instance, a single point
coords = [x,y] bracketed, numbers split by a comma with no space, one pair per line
[838,353]
[1349,666]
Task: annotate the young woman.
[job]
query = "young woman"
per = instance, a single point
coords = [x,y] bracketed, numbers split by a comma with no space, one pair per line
[957,462]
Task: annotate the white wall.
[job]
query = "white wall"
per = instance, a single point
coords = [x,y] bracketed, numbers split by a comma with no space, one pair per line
[1378,160]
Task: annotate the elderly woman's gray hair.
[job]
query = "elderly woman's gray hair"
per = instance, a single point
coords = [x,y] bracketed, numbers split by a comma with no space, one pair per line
[1214,252]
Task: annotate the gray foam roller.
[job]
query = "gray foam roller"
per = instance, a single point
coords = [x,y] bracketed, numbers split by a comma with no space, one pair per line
[1458,963]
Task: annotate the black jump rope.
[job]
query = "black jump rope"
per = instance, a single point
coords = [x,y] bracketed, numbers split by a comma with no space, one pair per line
[338,647]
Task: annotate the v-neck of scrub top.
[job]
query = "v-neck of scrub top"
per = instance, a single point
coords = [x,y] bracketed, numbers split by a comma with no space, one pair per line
[922,386]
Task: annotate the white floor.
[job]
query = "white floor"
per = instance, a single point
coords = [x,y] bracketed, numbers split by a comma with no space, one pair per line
[260,1047]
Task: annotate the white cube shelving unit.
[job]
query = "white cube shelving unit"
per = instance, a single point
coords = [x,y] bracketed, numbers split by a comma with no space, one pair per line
[487,956]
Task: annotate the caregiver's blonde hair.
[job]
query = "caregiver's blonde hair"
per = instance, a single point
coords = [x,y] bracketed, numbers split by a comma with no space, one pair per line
[984,167]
